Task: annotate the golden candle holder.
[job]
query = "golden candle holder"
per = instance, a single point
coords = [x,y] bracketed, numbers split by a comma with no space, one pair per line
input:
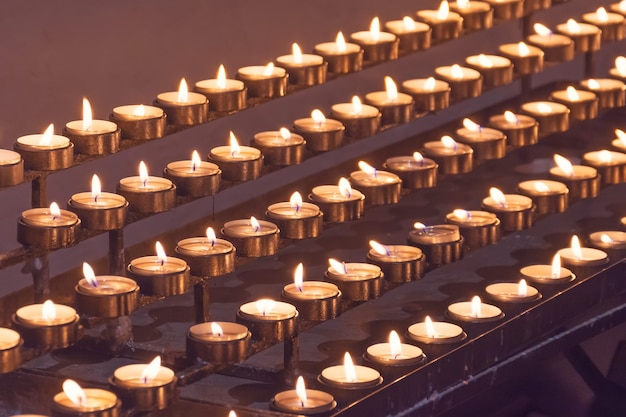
[218,342]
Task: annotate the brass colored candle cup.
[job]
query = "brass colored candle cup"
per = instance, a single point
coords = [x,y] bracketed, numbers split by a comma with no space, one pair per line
[278,150]
[193,112]
[160,278]
[207,258]
[429,94]
[520,130]
[40,229]
[101,139]
[583,105]
[401,264]
[230,344]
[39,333]
[194,180]
[276,325]
[478,228]
[359,281]
[414,174]
[10,350]
[112,297]
[137,124]
[154,395]
[251,242]
[441,244]
[261,85]
[11,168]
[548,196]
[552,117]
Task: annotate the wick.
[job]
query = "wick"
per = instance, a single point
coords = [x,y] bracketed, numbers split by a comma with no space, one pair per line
[302,403]
[375,173]
[144,379]
[95,199]
[298,207]
[345,268]
[193,167]
[162,262]
[144,183]
[517,121]
[213,242]
[480,130]
[387,251]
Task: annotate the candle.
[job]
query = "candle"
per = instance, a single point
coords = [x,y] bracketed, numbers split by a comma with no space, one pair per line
[340,202]
[93,137]
[451,156]
[76,401]
[10,350]
[396,108]
[478,228]
[486,142]
[436,332]
[412,36]
[582,181]
[526,59]
[608,239]
[47,325]
[147,194]
[474,311]
[303,401]
[464,82]
[547,274]
[516,212]
[510,292]
[303,69]
[342,57]
[534,5]
[520,130]
[218,342]
[295,218]
[552,117]
[314,300]
[445,24]
[548,196]
[160,275]
[105,296]
[350,376]
[379,187]
[45,152]
[399,263]
[610,165]
[48,228]
[238,163]
[356,281]
[477,15]
[556,48]
[395,353]
[611,93]
[583,105]
[613,25]
[415,171]
[576,255]
[441,244]
[225,95]
[360,120]
[252,238]
[11,168]
[377,46]
[281,147]
[321,134]
[620,140]
[429,94]
[496,70]
[139,122]
[194,177]
[507,9]
[99,210]
[619,71]
[264,81]
[183,107]
[586,37]
[619,7]
[269,320]
[207,256]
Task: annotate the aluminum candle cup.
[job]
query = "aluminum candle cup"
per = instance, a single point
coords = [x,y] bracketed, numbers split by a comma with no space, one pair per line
[414,173]
[520,130]
[184,108]
[106,212]
[194,179]
[548,196]
[487,143]
[338,206]
[474,311]
[584,257]
[112,297]
[441,244]
[160,277]
[613,25]
[245,165]
[534,5]
[46,331]
[141,393]
[620,141]
[360,120]
[412,36]
[401,263]
[555,47]
[98,403]
[546,274]
[395,110]
[252,241]
[342,57]
[315,300]
[44,228]
[583,105]
[445,26]
[380,188]
[429,94]
[436,333]
[552,117]
[304,402]
[139,122]
[512,292]
[478,228]
[619,7]
[478,15]
[280,148]
[10,350]
[452,158]
[357,281]
[321,134]
[610,165]
[100,138]
[153,195]
[304,69]
[495,70]
[224,95]
[608,239]
[526,59]
[41,155]
[582,182]
[507,9]
[269,321]
[218,342]
[207,257]
[11,168]
[586,37]
[385,354]
[516,212]
[611,93]
[464,82]
[296,221]
[349,376]
[264,82]
[381,48]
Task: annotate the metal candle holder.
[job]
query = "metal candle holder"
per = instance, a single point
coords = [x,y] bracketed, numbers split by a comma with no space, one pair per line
[303,227]
[486,231]
[315,309]
[272,86]
[253,245]
[156,283]
[141,129]
[205,181]
[479,17]
[358,289]
[12,173]
[428,100]
[238,170]
[379,51]
[108,305]
[11,357]
[524,131]
[507,10]
[404,264]
[231,347]
[292,153]
[95,143]
[149,398]
[183,114]
[208,264]
[376,194]
[47,237]
[546,201]
[105,219]
[48,337]
[441,244]
[271,331]
[61,406]
[148,202]
[46,159]
[414,175]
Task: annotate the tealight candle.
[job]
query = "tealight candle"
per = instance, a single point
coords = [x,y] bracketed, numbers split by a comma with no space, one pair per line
[608,239]
[510,292]
[396,108]
[478,228]
[415,171]
[610,165]
[269,320]
[45,152]
[464,82]
[474,311]
[526,59]
[225,95]
[586,37]
[93,137]
[436,332]
[48,228]
[321,134]
[147,194]
[99,210]
[10,350]
[280,148]
[611,93]
[218,342]
[399,263]
[451,156]
[429,94]
[477,15]
[105,295]
[620,141]
[441,244]
[412,35]
[520,130]
[507,9]
[252,238]
[342,57]
[445,24]
[547,274]
[264,81]
[207,256]
[340,202]
[350,376]
[295,218]
[11,168]
[379,187]
[140,122]
[47,325]
[75,401]
[377,46]
[577,256]
[619,71]
[556,48]
[552,117]
[535,5]
[238,163]
[356,281]
[183,107]
[548,196]
[194,177]
[619,7]
[583,105]
[496,70]
[303,69]
[314,300]
[486,142]
[160,275]
[303,401]
[395,353]
[516,212]
[582,181]
[360,120]
[613,25]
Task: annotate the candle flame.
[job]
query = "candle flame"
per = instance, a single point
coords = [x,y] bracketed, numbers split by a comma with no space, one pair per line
[461,214]
[183,91]
[337,266]
[444,10]
[231,413]
[74,392]
[556,266]
[48,310]
[391,88]
[485,61]
[254,223]
[285,133]
[498,197]
[301,391]
[430,328]
[344,188]
[295,201]
[235,149]
[357,107]
[541,187]
[221,77]
[96,188]
[46,138]
[318,117]
[604,238]
[143,173]
[139,110]
[522,49]
[620,65]
[476,307]
[564,164]
[298,277]
[55,211]
[379,248]
[269,69]
[161,256]
[375,29]
[368,169]
[511,117]
[210,235]
[602,15]
[593,84]
[265,306]
[572,94]
[457,72]
[151,370]
[471,125]
[419,226]
[622,5]
[297,53]
[418,158]
[90,275]
[542,30]
[621,135]
[605,156]
[195,161]
[348,367]
[340,42]
[544,108]
[573,27]
[522,288]
[463,4]
[87,115]
[576,249]
[449,143]
[395,346]
[430,83]
[216,330]
[409,23]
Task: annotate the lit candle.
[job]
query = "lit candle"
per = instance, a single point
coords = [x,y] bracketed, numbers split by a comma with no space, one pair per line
[547,274]
[303,69]
[464,82]
[552,117]
[515,211]
[269,320]
[620,140]
[548,196]
[436,332]
[280,147]
[395,353]
[534,5]
[478,228]
[93,137]
[377,46]
[48,228]
[238,163]
[619,7]
[76,401]
[252,238]
[582,181]
[321,134]
[45,314]
[510,292]
[415,171]
[520,130]
[225,95]
[194,177]
[429,94]
[160,275]
[183,107]
[507,9]
[295,218]
[526,59]
[474,311]
[441,244]
[619,71]
[608,239]
[350,376]
[99,210]
[356,281]
[396,108]
[611,93]
[303,401]
[583,105]
[342,57]
[379,187]
[412,35]
[314,300]
[610,165]
[45,152]
[451,156]
[105,295]
[496,70]
[586,37]
[486,142]
[556,48]
[445,24]
[11,168]
[140,122]
[147,194]
[613,25]
[340,202]
[477,15]
[576,255]
[218,342]
[399,263]
[264,81]
[10,350]
[360,120]
[207,256]
[47,325]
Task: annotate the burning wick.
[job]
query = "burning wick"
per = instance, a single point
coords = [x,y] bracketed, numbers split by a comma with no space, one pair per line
[143,174]
[296,202]
[55,211]
[337,266]
[216,330]
[210,234]
[301,391]
[368,169]
[74,392]
[379,248]
[90,275]
[430,328]
[418,158]
[395,345]
[298,277]
[151,371]
[195,161]
[256,226]
[161,256]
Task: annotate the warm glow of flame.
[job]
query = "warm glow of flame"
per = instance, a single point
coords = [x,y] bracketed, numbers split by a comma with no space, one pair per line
[140,110]
[572,94]
[183,92]
[344,188]
[476,306]
[74,392]
[231,413]
[444,10]
[375,29]
[254,223]
[564,164]
[48,310]
[419,226]
[337,266]
[395,346]
[301,391]
[556,266]
[409,24]
[285,133]
[604,238]
[87,115]
[151,370]
[379,248]
[46,138]
[195,161]
[210,235]
[573,27]
[461,214]
[367,168]
[348,367]
[295,201]
[235,149]
[593,84]
[541,187]
[55,211]
[269,69]
[471,125]
[265,306]
[418,157]
[522,49]
[340,42]
[448,142]
[484,61]
[498,197]
[357,107]
[605,156]
[620,65]
[621,135]
[522,288]
[602,15]
[511,117]
[542,30]
[575,246]
[457,72]
[391,88]
[298,277]
[221,77]
[160,253]
[216,330]
[463,4]
[96,188]
[430,83]
[544,108]
[90,275]
[318,117]
[297,53]
[622,5]
[143,173]
[430,327]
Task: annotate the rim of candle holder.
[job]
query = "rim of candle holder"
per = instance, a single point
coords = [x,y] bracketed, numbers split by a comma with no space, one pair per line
[395,363]
[102,219]
[152,398]
[95,143]
[507,298]
[341,211]
[546,280]
[512,221]
[596,240]
[209,265]
[56,336]
[470,319]
[402,271]
[273,87]
[107,305]
[430,101]
[291,154]
[434,340]
[270,330]
[358,290]
[58,410]
[185,114]
[416,179]
[11,358]
[12,174]
[300,228]
[344,63]
[316,309]
[141,129]
[161,285]
[275,402]
[307,75]
[46,159]
[347,385]
[478,236]
[47,238]
[241,170]
[322,141]
[225,101]
[195,186]
[226,351]
[255,246]
[149,202]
